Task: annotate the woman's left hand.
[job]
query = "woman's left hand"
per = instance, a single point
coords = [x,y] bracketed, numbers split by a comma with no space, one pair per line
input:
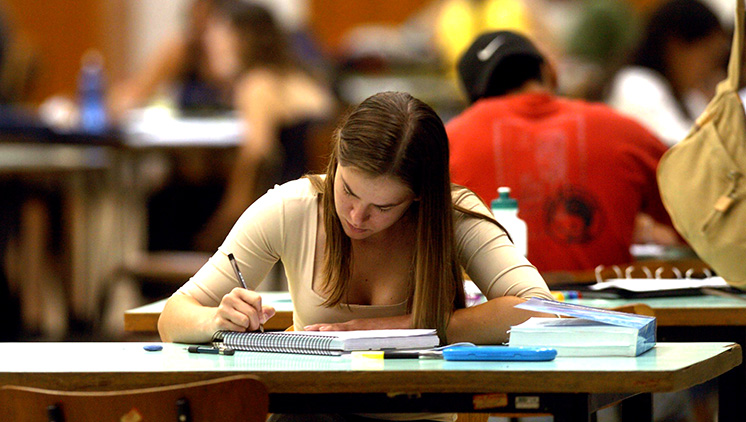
[385,323]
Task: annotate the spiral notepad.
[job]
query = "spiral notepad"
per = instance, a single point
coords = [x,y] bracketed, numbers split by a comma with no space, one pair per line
[637,282]
[327,342]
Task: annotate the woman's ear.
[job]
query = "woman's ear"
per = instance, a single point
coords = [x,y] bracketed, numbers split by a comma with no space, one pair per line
[549,75]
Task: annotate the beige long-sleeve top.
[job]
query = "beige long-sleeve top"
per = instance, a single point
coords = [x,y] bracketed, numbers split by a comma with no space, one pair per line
[282,225]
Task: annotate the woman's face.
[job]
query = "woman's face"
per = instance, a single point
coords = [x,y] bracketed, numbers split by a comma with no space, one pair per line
[699,62]
[368,206]
[221,47]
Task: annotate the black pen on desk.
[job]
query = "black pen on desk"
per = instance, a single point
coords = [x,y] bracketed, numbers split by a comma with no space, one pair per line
[241,280]
[211,350]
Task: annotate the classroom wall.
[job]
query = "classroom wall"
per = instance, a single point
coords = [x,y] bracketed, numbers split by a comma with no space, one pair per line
[331,19]
[126,32]
[149,22]
[60,31]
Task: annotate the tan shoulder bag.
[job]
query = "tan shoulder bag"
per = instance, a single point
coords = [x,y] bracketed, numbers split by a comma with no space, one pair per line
[701,179]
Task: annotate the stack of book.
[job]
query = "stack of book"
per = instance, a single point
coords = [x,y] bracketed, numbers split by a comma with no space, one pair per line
[590,331]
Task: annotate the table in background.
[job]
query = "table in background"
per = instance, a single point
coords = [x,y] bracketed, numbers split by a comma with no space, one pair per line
[104,181]
[80,169]
[144,319]
[150,134]
[570,388]
[684,311]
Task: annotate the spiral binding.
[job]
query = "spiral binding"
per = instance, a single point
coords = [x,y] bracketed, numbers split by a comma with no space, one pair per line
[657,273]
[276,341]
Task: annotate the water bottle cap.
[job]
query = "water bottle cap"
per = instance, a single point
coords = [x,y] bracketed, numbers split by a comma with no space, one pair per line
[503,200]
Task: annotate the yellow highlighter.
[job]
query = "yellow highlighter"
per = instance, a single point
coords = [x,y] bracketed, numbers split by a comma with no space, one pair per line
[396,354]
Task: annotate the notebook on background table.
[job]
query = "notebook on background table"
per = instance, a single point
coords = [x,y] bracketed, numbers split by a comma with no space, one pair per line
[639,281]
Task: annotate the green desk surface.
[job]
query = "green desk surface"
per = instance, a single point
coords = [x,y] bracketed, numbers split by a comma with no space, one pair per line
[109,366]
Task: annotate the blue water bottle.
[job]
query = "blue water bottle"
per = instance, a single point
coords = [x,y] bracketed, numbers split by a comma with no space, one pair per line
[93,118]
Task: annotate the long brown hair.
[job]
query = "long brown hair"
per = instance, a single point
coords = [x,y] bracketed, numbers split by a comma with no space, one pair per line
[395,134]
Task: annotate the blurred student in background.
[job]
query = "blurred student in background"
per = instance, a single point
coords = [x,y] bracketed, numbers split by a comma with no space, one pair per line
[581,172]
[233,55]
[178,65]
[280,102]
[177,73]
[673,73]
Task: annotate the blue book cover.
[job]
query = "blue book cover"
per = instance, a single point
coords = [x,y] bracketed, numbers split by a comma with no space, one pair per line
[645,325]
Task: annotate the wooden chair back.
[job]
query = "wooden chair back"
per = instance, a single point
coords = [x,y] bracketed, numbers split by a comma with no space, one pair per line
[235,398]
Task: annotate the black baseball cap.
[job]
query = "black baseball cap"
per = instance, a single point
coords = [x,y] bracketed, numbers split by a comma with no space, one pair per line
[477,65]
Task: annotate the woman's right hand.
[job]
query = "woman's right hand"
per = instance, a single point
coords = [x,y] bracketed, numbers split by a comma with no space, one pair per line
[242,310]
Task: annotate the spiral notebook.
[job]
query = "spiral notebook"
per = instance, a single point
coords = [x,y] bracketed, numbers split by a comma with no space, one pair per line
[641,282]
[327,342]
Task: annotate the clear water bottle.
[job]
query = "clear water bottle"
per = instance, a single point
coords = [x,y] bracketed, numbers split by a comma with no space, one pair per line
[93,118]
[505,210]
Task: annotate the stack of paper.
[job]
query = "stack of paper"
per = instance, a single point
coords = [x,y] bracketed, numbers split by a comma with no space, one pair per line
[653,287]
[592,331]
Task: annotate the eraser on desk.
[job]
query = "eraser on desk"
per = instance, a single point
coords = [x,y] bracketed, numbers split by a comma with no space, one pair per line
[153,347]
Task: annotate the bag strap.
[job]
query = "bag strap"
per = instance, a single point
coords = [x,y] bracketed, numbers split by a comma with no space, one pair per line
[736,53]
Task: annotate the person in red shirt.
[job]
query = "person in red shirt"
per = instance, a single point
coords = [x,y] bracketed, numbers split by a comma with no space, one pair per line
[581,172]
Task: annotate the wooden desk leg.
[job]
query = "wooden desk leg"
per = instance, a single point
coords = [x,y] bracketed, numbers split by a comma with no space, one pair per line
[637,408]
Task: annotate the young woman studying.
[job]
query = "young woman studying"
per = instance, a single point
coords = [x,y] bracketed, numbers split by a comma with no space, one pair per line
[378,242]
